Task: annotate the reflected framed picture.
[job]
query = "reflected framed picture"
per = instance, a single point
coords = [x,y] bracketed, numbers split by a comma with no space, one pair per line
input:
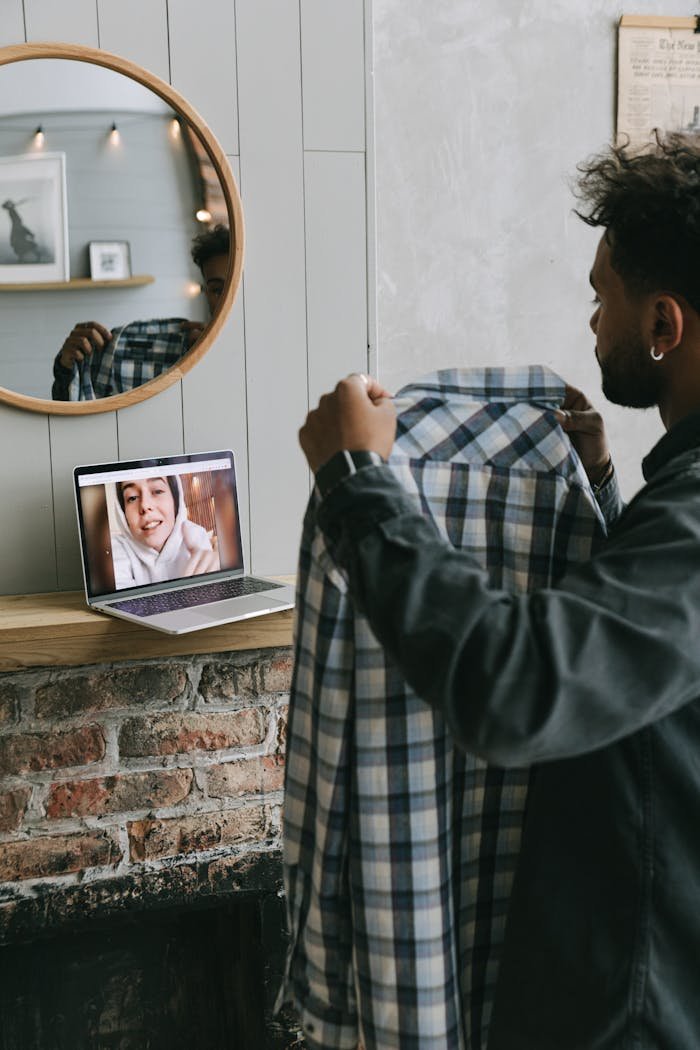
[33,219]
[110,260]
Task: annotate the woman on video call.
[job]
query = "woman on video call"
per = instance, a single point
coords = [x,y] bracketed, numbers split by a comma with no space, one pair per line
[156,540]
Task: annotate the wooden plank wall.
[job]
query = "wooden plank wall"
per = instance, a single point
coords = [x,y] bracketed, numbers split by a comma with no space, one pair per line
[283,85]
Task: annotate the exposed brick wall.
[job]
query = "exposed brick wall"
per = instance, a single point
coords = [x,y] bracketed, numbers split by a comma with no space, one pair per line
[118,794]
[12,808]
[57,855]
[126,771]
[35,752]
[9,694]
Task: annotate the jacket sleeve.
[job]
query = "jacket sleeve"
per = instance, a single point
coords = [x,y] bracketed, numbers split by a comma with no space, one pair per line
[61,380]
[525,678]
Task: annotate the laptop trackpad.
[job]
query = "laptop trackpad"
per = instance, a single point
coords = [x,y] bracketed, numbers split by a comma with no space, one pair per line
[235,608]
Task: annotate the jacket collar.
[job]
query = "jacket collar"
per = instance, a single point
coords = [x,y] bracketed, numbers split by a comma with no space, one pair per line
[683,436]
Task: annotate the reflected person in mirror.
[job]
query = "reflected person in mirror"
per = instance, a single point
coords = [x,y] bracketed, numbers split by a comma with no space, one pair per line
[95,361]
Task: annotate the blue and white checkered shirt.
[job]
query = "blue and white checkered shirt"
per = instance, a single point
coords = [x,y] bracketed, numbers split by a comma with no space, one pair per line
[400,850]
[137,352]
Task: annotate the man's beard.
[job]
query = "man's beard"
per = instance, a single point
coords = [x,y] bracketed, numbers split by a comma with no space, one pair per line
[630,377]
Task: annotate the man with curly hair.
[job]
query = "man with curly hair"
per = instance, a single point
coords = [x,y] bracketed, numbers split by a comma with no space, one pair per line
[595,682]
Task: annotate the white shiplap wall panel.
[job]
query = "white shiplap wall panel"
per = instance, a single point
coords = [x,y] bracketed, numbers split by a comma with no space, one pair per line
[336,261]
[153,427]
[11,22]
[75,442]
[215,410]
[203,63]
[73,21]
[26,510]
[138,30]
[214,399]
[272,186]
[333,49]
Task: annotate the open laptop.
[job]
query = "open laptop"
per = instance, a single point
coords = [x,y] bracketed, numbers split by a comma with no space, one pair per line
[160,542]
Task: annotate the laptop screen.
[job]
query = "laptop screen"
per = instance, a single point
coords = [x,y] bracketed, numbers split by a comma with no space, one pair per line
[154,520]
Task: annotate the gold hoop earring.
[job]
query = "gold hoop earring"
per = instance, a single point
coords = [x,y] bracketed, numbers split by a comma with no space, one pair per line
[655,355]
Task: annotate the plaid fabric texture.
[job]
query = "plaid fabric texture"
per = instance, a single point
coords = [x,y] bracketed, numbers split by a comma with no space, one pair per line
[137,352]
[400,850]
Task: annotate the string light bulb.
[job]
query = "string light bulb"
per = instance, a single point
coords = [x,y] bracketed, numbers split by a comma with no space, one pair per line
[203,215]
[39,137]
[114,135]
[193,289]
[175,129]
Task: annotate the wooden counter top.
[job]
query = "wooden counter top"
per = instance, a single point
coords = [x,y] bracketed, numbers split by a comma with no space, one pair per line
[58,629]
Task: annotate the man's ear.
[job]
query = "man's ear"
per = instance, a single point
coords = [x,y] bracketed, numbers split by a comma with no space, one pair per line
[667,323]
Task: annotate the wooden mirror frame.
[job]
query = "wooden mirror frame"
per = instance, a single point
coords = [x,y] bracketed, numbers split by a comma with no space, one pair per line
[94,56]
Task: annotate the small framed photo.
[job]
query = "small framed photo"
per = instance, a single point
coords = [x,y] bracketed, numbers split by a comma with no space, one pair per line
[109,260]
[33,219]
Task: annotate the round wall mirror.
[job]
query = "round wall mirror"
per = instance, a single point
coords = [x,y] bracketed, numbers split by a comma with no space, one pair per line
[121,231]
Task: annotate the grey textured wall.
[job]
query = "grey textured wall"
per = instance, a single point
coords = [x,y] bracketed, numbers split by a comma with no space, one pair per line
[482,111]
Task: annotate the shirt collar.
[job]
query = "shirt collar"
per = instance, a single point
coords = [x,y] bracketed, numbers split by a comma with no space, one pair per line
[682,436]
[515,383]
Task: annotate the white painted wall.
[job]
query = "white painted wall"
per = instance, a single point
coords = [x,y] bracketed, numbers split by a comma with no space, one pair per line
[56,86]
[482,111]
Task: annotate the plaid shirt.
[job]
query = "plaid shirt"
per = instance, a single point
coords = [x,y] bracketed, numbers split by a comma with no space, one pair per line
[137,352]
[400,850]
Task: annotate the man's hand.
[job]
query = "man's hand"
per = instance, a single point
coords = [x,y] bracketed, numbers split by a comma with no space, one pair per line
[357,416]
[201,559]
[85,337]
[585,427]
[192,330]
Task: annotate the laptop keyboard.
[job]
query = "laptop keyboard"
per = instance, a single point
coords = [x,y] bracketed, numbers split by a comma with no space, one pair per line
[189,597]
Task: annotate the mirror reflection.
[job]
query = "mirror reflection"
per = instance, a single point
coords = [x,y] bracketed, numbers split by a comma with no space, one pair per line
[114,240]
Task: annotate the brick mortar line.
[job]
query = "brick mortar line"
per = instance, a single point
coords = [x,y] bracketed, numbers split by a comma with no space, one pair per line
[26,889]
[118,715]
[228,658]
[196,760]
[63,826]
[110,726]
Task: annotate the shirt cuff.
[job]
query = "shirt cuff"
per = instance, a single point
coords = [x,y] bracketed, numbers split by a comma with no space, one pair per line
[343,465]
[610,500]
[60,371]
[325,1027]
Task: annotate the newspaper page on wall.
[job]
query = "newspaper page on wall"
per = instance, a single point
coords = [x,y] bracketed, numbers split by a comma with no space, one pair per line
[658,77]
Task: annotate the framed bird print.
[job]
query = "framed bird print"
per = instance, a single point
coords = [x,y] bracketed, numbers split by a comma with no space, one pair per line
[33,219]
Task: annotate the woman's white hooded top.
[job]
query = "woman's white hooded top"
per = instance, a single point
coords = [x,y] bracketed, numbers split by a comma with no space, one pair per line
[135,563]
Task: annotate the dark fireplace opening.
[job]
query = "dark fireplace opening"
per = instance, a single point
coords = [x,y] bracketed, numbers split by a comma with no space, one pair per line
[162,979]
